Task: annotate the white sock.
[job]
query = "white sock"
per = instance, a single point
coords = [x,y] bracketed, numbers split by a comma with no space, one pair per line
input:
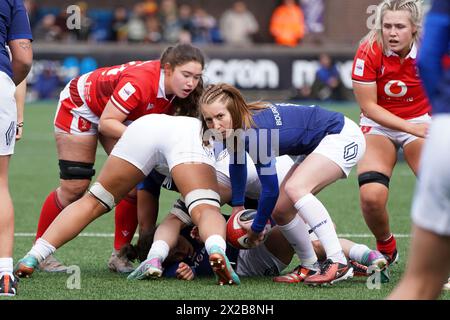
[357,252]
[41,249]
[215,240]
[160,249]
[316,215]
[296,233]
[6,265]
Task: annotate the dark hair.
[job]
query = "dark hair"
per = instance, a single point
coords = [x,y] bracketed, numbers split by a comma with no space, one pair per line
[141,249]
[179,55]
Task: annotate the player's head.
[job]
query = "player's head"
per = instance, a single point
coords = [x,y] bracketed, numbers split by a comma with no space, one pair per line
[397,25]
[223,109]
[183,67]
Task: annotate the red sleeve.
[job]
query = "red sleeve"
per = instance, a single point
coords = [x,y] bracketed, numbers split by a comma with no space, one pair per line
[130,92]
[365,63]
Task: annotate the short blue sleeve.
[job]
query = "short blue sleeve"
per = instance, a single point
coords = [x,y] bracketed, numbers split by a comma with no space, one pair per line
[20,24]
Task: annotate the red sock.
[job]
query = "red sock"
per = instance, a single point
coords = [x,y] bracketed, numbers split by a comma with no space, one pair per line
[50,210]
[387,246]
[126,222]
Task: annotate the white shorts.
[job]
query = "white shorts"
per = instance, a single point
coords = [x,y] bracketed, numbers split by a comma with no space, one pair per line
[73,115]
[431,204]
[258,262]
[163,141]
[399,138]
[253,185]
[345,148]
[8,115]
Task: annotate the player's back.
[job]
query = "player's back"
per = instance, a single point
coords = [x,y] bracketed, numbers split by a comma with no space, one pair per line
[300,128]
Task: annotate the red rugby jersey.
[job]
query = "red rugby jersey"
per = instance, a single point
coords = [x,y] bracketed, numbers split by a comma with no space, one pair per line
[135,88]
[399,88]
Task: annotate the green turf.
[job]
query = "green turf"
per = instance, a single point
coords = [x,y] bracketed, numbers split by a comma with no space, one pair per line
[34,173]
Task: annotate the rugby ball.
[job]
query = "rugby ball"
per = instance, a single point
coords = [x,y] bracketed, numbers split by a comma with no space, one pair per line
[237,234]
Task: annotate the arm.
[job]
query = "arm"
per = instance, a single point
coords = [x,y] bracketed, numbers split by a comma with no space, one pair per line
[366,96]
[238,179]
[20,94]
[111,121]
[268,197]
[22,58]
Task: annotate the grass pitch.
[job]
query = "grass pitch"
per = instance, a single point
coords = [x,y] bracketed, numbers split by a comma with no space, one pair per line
[34,173]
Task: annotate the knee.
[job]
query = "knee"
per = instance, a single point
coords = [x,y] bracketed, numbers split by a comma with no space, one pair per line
[295,190]
[72,191]
[75,179]
[372,201]
[374,195]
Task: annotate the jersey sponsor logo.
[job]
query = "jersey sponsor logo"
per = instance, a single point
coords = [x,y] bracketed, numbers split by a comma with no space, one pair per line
[276,115]
[126,91]
[395,88]
[84,124]
[350,151]
[359,67]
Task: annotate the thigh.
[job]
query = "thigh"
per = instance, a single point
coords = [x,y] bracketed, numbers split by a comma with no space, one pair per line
[380,155]
[4,165]
[315,173]
[191,176]
[81,148]
[119,177]
[412,152]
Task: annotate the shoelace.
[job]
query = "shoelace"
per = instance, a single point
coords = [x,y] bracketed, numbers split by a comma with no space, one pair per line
[326,265]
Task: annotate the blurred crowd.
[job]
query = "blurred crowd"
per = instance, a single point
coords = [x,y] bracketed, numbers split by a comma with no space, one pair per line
[166,21]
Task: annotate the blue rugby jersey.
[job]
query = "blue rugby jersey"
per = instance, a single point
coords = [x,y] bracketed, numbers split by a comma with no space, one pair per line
[14,25]
[434,56]
[279,129]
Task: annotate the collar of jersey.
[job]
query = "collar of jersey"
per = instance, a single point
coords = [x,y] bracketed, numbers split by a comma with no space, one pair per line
[412,53]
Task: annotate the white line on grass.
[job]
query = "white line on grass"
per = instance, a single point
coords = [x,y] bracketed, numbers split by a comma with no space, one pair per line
[110,235]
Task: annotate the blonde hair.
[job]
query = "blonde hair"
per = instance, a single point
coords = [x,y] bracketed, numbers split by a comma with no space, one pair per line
[240,111]
[414,7]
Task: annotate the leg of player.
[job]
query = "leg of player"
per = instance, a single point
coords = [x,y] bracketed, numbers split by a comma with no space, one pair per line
[295,231]
[8,285]
[203,203]
[374,172]
[116,179]
[76,171]
[312,175]
[364,260]
[165,239]
[412,152]
[433,268]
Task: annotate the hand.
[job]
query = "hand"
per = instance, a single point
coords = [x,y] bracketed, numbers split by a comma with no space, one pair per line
[184,272]
[254,238]
[419,129]
[237,209]
[19,131]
